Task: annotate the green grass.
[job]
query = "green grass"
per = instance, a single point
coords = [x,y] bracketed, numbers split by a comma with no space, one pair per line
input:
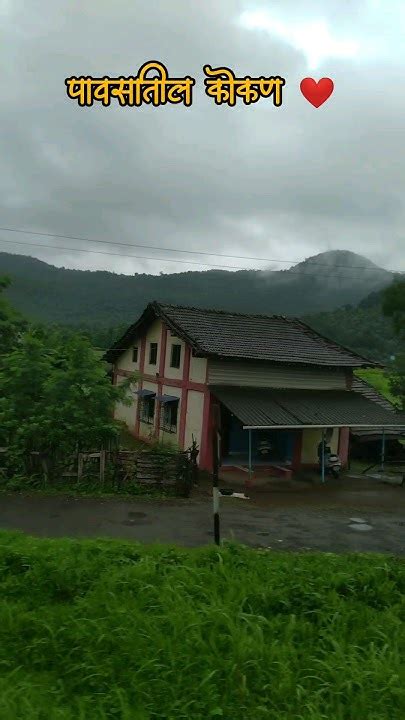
[380,380]
[106,629]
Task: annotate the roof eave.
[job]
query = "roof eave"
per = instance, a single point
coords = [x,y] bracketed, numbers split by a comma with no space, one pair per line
[346,366]
[153,311]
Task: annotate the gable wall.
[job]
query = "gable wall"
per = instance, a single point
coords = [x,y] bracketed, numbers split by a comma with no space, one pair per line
[255,374]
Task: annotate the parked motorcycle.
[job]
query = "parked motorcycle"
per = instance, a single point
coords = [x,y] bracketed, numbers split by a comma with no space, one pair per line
[333,463]
[264,449]
[333,466]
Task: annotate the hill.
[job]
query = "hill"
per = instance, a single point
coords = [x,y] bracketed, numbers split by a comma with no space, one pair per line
[326,281]
[362,328]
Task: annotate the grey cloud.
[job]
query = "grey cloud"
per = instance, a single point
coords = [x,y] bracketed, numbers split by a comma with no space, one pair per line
[281,183]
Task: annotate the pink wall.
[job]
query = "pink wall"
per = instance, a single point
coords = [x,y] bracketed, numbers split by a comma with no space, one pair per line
[344,437]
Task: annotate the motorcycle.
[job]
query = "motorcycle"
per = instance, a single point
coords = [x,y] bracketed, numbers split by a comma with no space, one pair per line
[333,463]
[264,449]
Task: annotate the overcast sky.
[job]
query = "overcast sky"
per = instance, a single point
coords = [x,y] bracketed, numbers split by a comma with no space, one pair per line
[282,183]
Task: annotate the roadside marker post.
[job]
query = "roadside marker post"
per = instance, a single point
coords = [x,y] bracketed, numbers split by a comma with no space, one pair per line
[215,474]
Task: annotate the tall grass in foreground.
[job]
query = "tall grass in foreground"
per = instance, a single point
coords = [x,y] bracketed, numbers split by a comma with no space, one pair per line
[106,629]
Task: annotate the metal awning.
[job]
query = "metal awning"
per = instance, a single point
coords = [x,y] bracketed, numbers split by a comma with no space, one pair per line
[167,398]
[376,433]
[263,408]
[144,393]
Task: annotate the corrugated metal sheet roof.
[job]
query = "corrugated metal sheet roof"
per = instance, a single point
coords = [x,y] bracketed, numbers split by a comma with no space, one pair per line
[364,388]
[256,407]
[233,335]
[376,434]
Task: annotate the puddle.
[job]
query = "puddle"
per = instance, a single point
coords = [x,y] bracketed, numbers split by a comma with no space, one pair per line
[357,520]
[360,527]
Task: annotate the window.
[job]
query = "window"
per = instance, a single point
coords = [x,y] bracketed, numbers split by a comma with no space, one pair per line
[135,354]
[170,413]
[176,355]
[153,353]
[147,410]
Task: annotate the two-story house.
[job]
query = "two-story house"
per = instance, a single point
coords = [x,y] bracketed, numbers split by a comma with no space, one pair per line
[275,381]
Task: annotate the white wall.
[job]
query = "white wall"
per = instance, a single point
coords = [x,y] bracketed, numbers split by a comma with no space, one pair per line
[153,335]
[194,418]
[124,362]
[310,442]
[125,413]
[198,369]
[175,373]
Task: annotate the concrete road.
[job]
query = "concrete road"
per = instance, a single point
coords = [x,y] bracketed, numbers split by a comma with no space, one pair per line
[279,521]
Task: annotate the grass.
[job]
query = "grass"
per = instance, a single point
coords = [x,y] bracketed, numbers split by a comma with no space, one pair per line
[106,629]
[379,380]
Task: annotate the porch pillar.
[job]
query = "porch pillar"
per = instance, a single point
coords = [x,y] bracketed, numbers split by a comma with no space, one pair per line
[323,455]
[383,450]
[250,458]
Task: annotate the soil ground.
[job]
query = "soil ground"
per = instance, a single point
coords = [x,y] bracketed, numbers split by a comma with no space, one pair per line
[299,516]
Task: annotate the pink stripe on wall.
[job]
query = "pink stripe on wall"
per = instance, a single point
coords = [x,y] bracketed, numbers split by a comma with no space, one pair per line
[160,377]
[141,367]
[184,396]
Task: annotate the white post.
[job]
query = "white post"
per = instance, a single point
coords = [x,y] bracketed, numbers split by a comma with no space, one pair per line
[323,455]
[250,458]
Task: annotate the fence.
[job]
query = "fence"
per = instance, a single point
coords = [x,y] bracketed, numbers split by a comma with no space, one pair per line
[176,470]
[157,469]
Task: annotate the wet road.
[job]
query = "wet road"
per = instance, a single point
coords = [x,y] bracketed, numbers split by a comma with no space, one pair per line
[281,522]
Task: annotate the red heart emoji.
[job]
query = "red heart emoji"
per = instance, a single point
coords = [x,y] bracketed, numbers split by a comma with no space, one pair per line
[316,92]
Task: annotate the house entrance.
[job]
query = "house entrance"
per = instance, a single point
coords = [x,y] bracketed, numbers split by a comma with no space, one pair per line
[268,446]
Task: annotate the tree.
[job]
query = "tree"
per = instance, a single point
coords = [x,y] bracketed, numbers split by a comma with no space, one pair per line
[11,322]
[394,307]
[397,379]
[394,304]
[55,397]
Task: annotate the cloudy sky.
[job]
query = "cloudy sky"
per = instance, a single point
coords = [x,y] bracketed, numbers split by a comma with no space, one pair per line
[259,181]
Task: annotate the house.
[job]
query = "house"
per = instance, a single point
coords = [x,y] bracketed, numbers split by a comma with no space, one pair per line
[277,385]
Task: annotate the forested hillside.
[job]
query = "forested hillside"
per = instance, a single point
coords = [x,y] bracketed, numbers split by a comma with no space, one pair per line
[363,328]
[325,282]
[337,293]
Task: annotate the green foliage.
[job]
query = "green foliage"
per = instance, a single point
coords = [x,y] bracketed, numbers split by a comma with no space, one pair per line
[394,307]
[397,380]
[11,322]
[394,304]
[380,380]
[364,329]
[102,305]
[107,300]
[105,629]
[55,398]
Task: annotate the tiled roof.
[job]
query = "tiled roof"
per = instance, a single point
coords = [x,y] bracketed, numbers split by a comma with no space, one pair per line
[223,334]
[259,337]
[258,407]
[370,392]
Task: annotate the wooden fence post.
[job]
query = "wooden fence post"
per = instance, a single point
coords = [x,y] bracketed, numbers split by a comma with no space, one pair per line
[79,466]
[102,466]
